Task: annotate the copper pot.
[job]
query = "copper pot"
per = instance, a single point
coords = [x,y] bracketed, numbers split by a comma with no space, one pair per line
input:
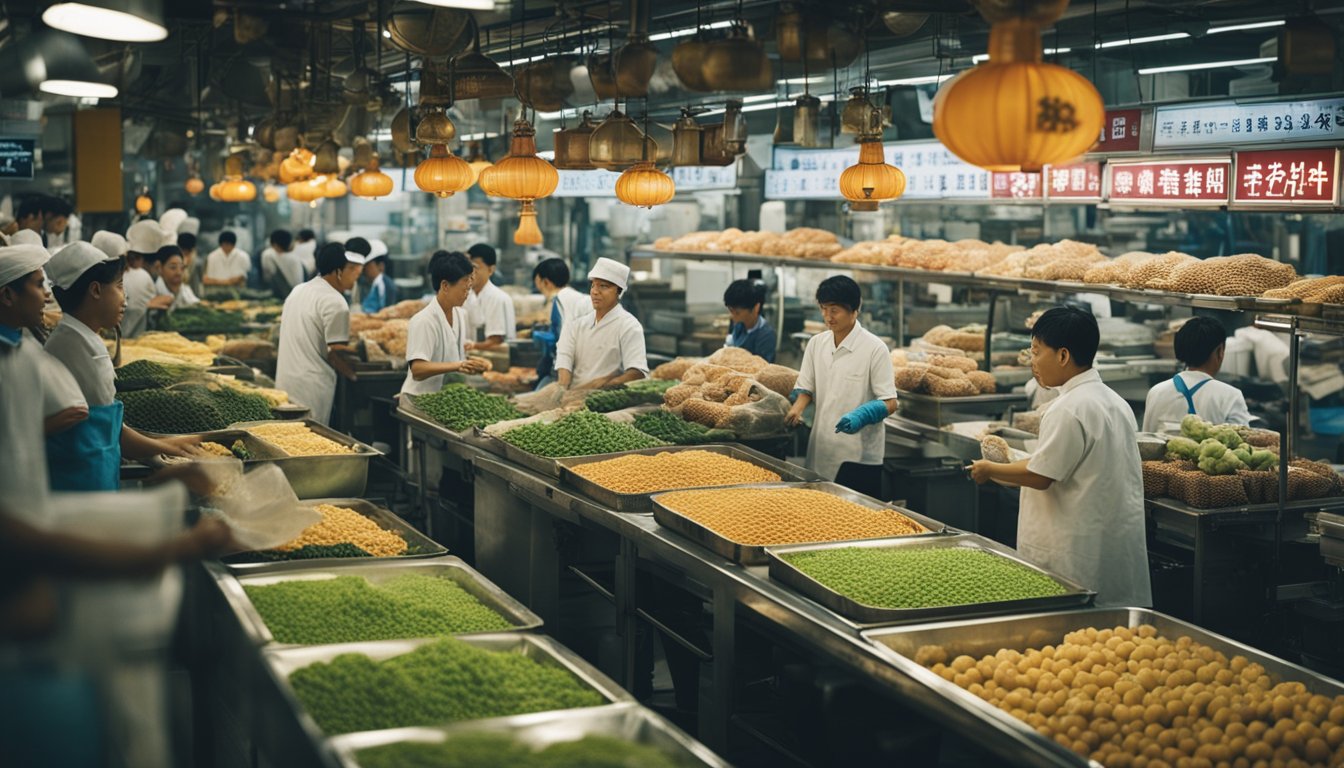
[401,131]
[826,41]
[737,63]
[571,145]
[715,151]
[545,84]
[602,77]
[617,143]
[435,128]
[634,65]
[686,60]
[687,140]
[477,76]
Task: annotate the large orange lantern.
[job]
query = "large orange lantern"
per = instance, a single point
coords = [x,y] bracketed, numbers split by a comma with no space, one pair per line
[1015,112]
[645,186]
[442,173]
[194,185]
[297,167]
[486,180]
[522,175]
[528,232]
[143,204]
[304,191]
[371,182]
[872,180]
[477,160]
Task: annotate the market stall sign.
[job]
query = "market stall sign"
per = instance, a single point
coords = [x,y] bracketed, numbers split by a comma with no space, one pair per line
[1298,177]
[1121,131]
[931,172]
[1076,183]
[600,183]
[16,158]
[1230,123]
[1015,186]
[1202,181]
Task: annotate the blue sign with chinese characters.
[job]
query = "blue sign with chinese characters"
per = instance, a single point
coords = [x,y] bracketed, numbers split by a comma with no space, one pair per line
[1229,123]
[16,158]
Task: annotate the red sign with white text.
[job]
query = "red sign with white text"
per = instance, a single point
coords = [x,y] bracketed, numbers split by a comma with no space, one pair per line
[1016,185]
[1120,132]
[1287,176]
[1169,181]
[1079,182]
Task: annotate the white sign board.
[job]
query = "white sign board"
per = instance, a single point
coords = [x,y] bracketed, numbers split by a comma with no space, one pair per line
[599,183]
[931,172]
[1229,123]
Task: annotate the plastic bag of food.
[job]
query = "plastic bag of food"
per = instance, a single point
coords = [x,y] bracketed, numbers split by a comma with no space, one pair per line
[545,417]
[996,449]
[763,416]
[259,506]
[552,396]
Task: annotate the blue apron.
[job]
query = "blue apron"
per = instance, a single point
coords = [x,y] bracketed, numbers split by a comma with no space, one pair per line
[87,457]
[1188,392]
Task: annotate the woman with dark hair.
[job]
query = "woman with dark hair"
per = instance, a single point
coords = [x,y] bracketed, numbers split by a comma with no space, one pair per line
[436,336]
[1200,344]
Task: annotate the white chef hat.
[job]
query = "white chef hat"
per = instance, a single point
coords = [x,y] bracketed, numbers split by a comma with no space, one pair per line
[189,226]
[171,220]
[25,237]
[355,258]
[19,260]
[379,248]
[110,243]
[611,271]
[74,260]
[144,236]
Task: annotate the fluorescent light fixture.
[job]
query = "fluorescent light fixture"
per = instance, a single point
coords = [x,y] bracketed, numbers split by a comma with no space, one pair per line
[823,98]
[476,136]
[79,89]
[524,60]
[979,57]
[758,97]
[926,80]
[466,5]
[564,113]
[1206,65]
[131,21]
[1142,40]
[801,80]
[1250,25]
[686,31]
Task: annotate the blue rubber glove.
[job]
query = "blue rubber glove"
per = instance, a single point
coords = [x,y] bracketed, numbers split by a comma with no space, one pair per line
[871,412]
[544,339]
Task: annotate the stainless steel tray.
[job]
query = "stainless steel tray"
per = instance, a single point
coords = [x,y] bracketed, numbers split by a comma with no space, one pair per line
[981,637]
[755,555]
[376,572]
[639,502]
[867,615]
[627,722]
[282,662]
[314,477]
[939,411]
[539,464]
[418,544]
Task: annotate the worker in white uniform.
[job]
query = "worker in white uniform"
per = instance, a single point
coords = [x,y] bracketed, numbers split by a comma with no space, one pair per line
[173,280]
[382,291]
[846,373]
[436,336]
[314,331]
[551,279]
[228,264]
[489,309]
[1081,510]
[23,465]
[281,268]
[606,348]
[1200,344]
[143,239]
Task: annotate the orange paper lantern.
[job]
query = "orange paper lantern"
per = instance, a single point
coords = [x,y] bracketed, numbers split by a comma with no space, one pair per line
[442,173]
[195,186]
[528,232]
[304,191]
[143,204]
[271,193]
[297,167]
[486,180]
[872,180]
[645,186]
[371,182]
[1015,112]
[522,175]
[334,187]
[477,160]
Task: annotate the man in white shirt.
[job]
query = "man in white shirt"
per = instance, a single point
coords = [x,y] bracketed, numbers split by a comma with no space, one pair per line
[305,248]
[281,269]
[1200,344]
[606,348]
[142,240]
[489,310]
[846,372]
[436,335]
[1082,490]
[314,331]
[551,279]
[228,264]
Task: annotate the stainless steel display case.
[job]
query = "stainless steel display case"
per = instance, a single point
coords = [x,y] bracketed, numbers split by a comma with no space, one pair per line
[783,571]
[640,502]
[1332,537]
[343,474]
[755,555]
[939,411]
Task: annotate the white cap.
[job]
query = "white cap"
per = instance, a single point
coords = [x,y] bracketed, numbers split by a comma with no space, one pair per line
[379,248]
[355,258]
[19,260]
[111,243]
[171,221]
[25,237]
[189,226]
[74,260]
[611,271]
[144,236]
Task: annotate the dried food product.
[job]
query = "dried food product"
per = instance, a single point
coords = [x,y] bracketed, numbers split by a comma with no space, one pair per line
[673,369]
[497,750]
[204,319]
[1115,271]
[1156,475]
[777,516]
[679,394]
[1130,696]
[959,387]
[644,473]
[249,349]
[713,392]
[671,428]
[705,412]
[402,310]
[341,525]
[1028,421]
[1240,275]
[984,381]
[440,682]
[582,433]
[1148,272]
[350,609]
[737,359]
[172,411]
[971,339]
[459,407]
[165,346]
[996,449]
[294,438]
[910,379]
[949,361]
[642,392]
[390,336]
[706,371]
[664,243]
[932,577]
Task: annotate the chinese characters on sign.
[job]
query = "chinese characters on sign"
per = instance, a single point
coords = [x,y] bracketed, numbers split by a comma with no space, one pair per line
[931,172]
[1262,123]
[1016,185]
[16,158]
[1120,132]
[1170,181]
[600,183]
[1297,176]
[1080,182]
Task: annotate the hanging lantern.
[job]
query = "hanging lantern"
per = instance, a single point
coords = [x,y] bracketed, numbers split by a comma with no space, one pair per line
[645,186]
[235,189]
[371,182]
[807,121]
[308,191]
[734,127]
[297,167]
[442,173]
[477,76]
[871,180]
[271,193]
[522,175]
[144,204]
[327,160]
[1015,112]
[528,232]
[214,190]
[435,128]
[334,187]
[737,62]
[571,145]
[859,115]
[687,140]
[194,185]
[616,144]
[476,160]
[486,181]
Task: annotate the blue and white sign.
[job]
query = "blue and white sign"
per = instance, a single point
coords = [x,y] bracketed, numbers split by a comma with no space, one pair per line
[1233,124]
[600,183]
[931,172]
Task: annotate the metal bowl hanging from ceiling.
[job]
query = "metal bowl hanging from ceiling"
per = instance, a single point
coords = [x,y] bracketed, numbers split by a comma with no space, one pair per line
[477,76]
[827,41]
[617,143]
[737,63]
[545,84]
[601,76]
[425,31]
[401,131]
[571,145]
[686,60]
[633,66]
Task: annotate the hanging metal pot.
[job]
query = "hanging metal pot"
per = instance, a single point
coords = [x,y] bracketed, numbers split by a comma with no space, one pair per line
[602,76]
[419,29]
[545,84]
[807,121]
[737,63]
[327,161]
[734,127]
[571,145]
[783,126]
[903,23]
[401,131]
[687,140]
[617,143]
[434,85]
[826,41]
[362,154]
[660,141]
[264,133]
[634,65]
[859,115]
[687,58]
[715,151]
[435,128]
[477,76]
[285,138]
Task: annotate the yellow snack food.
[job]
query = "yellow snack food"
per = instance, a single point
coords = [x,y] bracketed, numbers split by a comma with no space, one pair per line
[776,516]
[346,526]
[641,473]
[296,439]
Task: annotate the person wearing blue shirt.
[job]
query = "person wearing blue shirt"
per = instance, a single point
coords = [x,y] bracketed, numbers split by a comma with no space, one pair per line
[750,330]
[382,293]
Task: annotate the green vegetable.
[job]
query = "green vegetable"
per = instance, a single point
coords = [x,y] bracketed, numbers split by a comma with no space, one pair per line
[203,319]
[582,433]
[1243,454]
[1227,436]
[147,374]
[191,408]
[1195,428]
[349,609]
[239,449]
[671,428]
[460,407]
[497,750]
[306,552]
[652,385]
[1182,448]
[906,578]
[440,682]
[1216,459]
[608,400]
[1262,460]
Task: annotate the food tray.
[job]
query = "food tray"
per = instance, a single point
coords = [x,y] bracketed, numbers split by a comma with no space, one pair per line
[755,555]
[542,465]
[981,637]
[322,476]
[376,572]
[419,545]
[640,502]
[940,411]
[1332,537]
[867,615]
[282,662]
